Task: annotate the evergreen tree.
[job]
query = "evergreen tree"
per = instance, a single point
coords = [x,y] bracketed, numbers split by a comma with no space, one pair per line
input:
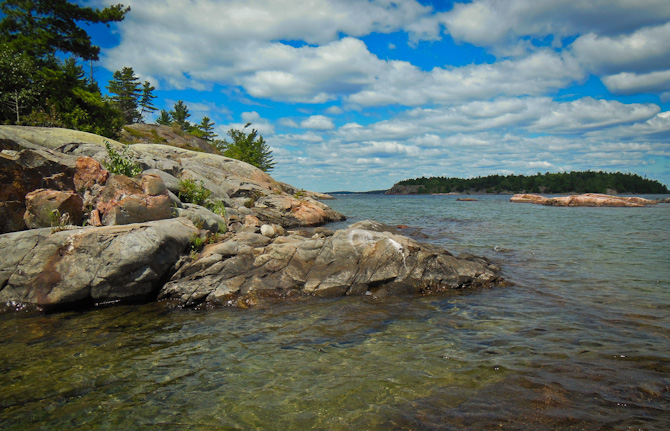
[207,129]
[180,115]
[146,101]
[41,28]
[125,87]
[71,104]
[164,118]
[250,148]
[42,90]
[20,87]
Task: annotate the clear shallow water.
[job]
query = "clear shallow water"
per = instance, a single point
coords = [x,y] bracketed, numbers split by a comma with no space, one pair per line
[580,340]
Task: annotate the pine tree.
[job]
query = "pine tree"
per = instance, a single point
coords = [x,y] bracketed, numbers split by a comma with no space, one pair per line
[125,87]
[41,28]
[180,115]
[250,148]
[207,128]
[164,118]
[146,101]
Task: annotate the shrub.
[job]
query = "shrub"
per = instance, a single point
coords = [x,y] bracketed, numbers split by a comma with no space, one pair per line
[190,191]
[121,164]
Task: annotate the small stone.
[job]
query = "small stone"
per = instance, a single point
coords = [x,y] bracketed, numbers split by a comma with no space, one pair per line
[268,231]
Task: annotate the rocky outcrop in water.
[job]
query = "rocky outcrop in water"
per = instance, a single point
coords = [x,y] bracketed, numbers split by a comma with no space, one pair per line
[365,259]
[141,242]
[585,200]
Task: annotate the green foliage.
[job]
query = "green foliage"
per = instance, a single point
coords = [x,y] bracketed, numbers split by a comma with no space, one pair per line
[72,102]
[156,138]
[180,115]
[146,101]
[58,221]
[164,119]
[121,164]
[39,89]
[199,241]
[20,87]
[206,127]
[41,28]
[217,207]
[564,182]
[250,148]
[190,191]
[125,88]
[299,194]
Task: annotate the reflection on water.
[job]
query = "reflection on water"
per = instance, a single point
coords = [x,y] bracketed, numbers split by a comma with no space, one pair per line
[580,340]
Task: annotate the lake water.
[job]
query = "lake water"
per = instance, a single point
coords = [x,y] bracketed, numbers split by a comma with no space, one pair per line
[579,339]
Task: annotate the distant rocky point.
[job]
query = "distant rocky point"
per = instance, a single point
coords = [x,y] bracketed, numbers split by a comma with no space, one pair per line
[585,200]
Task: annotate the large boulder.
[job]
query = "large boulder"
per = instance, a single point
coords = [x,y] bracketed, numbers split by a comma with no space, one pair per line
[365,259]
[90,265]
[46,207]
[126,200]
[24,170]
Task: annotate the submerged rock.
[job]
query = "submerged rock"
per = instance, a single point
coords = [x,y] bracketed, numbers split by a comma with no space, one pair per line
[90,265]
[585,200]
[365,258]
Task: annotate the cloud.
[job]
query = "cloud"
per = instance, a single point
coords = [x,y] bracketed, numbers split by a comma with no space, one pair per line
[641,51]
[205,41]
[318,122]
[630,83]
[409,115]
[404,83]
[498,23]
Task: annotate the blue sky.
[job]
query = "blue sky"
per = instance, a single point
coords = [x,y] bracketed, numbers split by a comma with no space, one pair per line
[357,95]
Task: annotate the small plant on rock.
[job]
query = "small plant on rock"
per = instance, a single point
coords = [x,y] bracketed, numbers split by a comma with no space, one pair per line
[58,221]
[190,191]
[121,164]
[217,207]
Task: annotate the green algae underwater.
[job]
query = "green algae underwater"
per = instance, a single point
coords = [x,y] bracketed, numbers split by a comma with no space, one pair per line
[580,339]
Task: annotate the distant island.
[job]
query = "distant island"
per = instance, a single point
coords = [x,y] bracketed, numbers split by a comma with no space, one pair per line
[564,182]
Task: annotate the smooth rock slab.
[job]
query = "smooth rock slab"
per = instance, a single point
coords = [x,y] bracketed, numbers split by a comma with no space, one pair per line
[363,259]
[90,265]
[585,200]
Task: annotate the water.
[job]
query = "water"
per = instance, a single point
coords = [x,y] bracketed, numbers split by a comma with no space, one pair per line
[579,340]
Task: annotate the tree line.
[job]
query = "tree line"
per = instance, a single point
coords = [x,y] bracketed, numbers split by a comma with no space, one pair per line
[43,81]
[562,182]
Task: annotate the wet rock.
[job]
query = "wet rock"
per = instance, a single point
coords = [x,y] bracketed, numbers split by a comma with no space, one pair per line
[90,265]
[362,259]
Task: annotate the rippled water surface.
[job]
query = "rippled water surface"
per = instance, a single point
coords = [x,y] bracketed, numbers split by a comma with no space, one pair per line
[579,340]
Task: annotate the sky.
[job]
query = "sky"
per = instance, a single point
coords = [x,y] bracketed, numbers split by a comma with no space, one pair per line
[357,95]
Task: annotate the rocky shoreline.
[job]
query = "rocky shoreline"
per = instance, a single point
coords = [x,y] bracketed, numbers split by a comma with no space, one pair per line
[75,235]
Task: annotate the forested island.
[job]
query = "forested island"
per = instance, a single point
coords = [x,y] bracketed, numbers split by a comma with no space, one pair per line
[563,182]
